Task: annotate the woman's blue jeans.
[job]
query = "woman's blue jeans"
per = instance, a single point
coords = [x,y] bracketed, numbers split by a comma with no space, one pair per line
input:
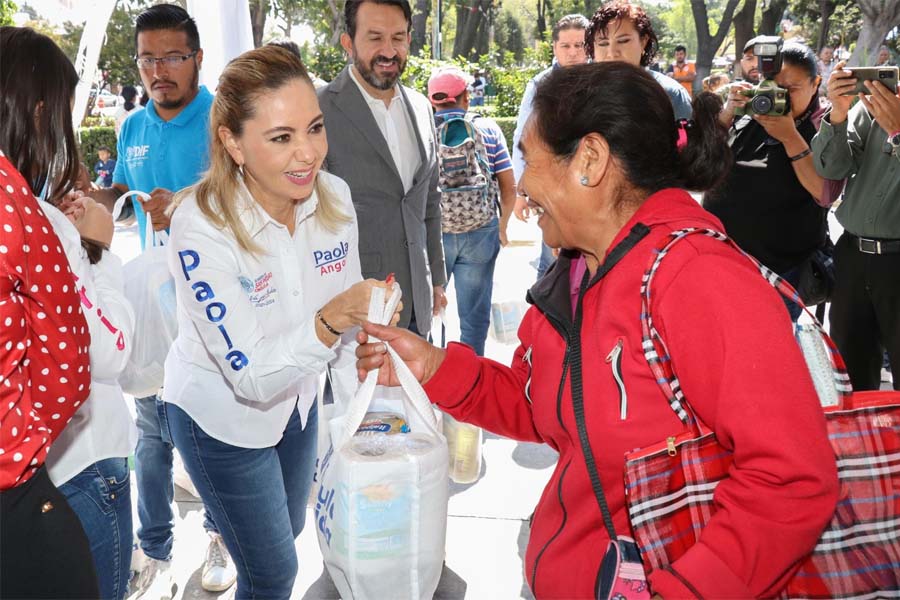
[257,497]
[101,497]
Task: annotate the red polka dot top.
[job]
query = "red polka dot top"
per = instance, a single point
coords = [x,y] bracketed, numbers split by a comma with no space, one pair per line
[44,339]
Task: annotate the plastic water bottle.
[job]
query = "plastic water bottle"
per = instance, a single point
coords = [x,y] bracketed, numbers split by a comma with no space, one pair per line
[464,443]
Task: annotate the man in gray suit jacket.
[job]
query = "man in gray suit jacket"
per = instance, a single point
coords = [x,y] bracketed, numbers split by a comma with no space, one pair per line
[381,142]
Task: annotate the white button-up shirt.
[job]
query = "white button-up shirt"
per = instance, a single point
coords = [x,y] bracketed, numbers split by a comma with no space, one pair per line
[102,428]
[247,354]
[397,129]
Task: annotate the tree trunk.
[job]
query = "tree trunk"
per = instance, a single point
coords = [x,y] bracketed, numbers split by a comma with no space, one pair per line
[771,18]
[707,43]
[466,39]
[879,17]
[259,9]
[743,28]
[826,9]
[337,22]
[462,17]
[420,25]
[541,19]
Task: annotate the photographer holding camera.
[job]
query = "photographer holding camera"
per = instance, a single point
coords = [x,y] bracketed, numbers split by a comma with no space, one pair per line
[770,203]
[862,143]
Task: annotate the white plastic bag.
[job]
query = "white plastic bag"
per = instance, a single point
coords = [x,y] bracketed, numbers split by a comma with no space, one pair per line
[151,290]
[505,320]
[381,505]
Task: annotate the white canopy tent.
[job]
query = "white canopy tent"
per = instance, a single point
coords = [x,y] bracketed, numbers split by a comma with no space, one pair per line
[225,32]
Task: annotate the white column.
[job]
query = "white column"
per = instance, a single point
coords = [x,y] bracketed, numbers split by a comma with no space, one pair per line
[225,33]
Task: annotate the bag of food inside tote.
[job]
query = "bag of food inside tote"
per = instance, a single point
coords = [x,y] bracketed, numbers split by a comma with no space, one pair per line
[381,503]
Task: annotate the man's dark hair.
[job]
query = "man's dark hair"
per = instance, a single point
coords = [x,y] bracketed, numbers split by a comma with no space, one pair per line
[574,21]
[352,7]
[622,10]
[104,149]
[289,45]
[34,73]
[167,16]
[129,93]
[681,48]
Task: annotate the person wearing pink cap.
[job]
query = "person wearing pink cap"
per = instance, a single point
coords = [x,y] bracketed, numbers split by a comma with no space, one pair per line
[472,230]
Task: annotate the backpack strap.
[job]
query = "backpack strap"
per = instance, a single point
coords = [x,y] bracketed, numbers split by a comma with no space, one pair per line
[657,354]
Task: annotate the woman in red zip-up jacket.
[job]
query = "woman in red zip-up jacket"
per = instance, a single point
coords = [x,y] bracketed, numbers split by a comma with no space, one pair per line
[603,171]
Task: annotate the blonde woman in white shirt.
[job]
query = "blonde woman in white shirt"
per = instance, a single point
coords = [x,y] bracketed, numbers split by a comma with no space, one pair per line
[264,255]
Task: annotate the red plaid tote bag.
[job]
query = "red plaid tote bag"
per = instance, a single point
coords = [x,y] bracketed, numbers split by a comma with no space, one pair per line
[669,487]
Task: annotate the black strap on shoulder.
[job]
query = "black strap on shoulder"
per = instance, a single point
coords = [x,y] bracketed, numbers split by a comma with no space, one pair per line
[637,233]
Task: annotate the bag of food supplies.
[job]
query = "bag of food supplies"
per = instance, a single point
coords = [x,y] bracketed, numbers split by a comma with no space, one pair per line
[381,501]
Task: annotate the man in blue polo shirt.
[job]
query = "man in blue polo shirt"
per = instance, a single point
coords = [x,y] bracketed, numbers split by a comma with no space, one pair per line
[163,149]
[472,231]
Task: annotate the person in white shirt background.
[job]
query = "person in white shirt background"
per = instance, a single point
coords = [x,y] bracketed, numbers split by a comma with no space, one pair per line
[264,255]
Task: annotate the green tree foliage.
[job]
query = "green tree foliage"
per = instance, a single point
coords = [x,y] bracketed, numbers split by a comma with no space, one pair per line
[831,22]
[323,60]
[7,9]
[509,35]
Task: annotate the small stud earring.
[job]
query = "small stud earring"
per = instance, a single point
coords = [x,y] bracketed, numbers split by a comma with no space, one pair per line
[241,170]
[584,180]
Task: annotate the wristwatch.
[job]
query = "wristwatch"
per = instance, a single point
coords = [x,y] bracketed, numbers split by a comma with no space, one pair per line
[892,143]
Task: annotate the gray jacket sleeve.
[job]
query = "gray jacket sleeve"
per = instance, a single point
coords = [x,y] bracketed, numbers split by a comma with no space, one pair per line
[433,232]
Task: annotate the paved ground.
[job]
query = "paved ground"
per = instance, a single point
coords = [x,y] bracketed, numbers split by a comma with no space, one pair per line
[487,527]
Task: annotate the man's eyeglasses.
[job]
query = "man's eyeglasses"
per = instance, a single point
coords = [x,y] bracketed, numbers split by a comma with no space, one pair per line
[146,63]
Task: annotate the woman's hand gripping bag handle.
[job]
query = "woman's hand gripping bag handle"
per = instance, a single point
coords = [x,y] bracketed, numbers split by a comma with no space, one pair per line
[419,412]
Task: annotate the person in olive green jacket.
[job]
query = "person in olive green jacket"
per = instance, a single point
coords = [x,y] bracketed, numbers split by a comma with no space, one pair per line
[862,143]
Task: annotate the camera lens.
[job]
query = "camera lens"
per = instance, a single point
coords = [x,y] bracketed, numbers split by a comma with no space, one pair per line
[761,105]
[884,74]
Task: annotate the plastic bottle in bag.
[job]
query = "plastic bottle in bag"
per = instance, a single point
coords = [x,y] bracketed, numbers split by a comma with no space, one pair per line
[464,444]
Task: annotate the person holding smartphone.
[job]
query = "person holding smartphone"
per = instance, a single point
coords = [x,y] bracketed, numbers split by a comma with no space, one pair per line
[862,143]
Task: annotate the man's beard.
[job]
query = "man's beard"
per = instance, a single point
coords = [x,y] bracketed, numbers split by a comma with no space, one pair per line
[367,72]
[182,100]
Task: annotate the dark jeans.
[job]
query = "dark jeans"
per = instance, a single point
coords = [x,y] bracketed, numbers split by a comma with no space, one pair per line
[257,495]
[101,497]
[44,552]
[865,312]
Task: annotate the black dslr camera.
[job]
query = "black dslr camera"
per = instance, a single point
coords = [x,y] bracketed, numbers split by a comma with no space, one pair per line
[766,97]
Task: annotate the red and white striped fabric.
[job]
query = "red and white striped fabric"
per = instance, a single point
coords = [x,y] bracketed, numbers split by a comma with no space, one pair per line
[670,487]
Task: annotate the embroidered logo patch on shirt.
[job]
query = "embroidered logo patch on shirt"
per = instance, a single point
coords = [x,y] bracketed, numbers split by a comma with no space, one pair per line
[260,290]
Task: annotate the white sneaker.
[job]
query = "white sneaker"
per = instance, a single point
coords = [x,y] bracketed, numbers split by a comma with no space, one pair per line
[155,581]
[219,572]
